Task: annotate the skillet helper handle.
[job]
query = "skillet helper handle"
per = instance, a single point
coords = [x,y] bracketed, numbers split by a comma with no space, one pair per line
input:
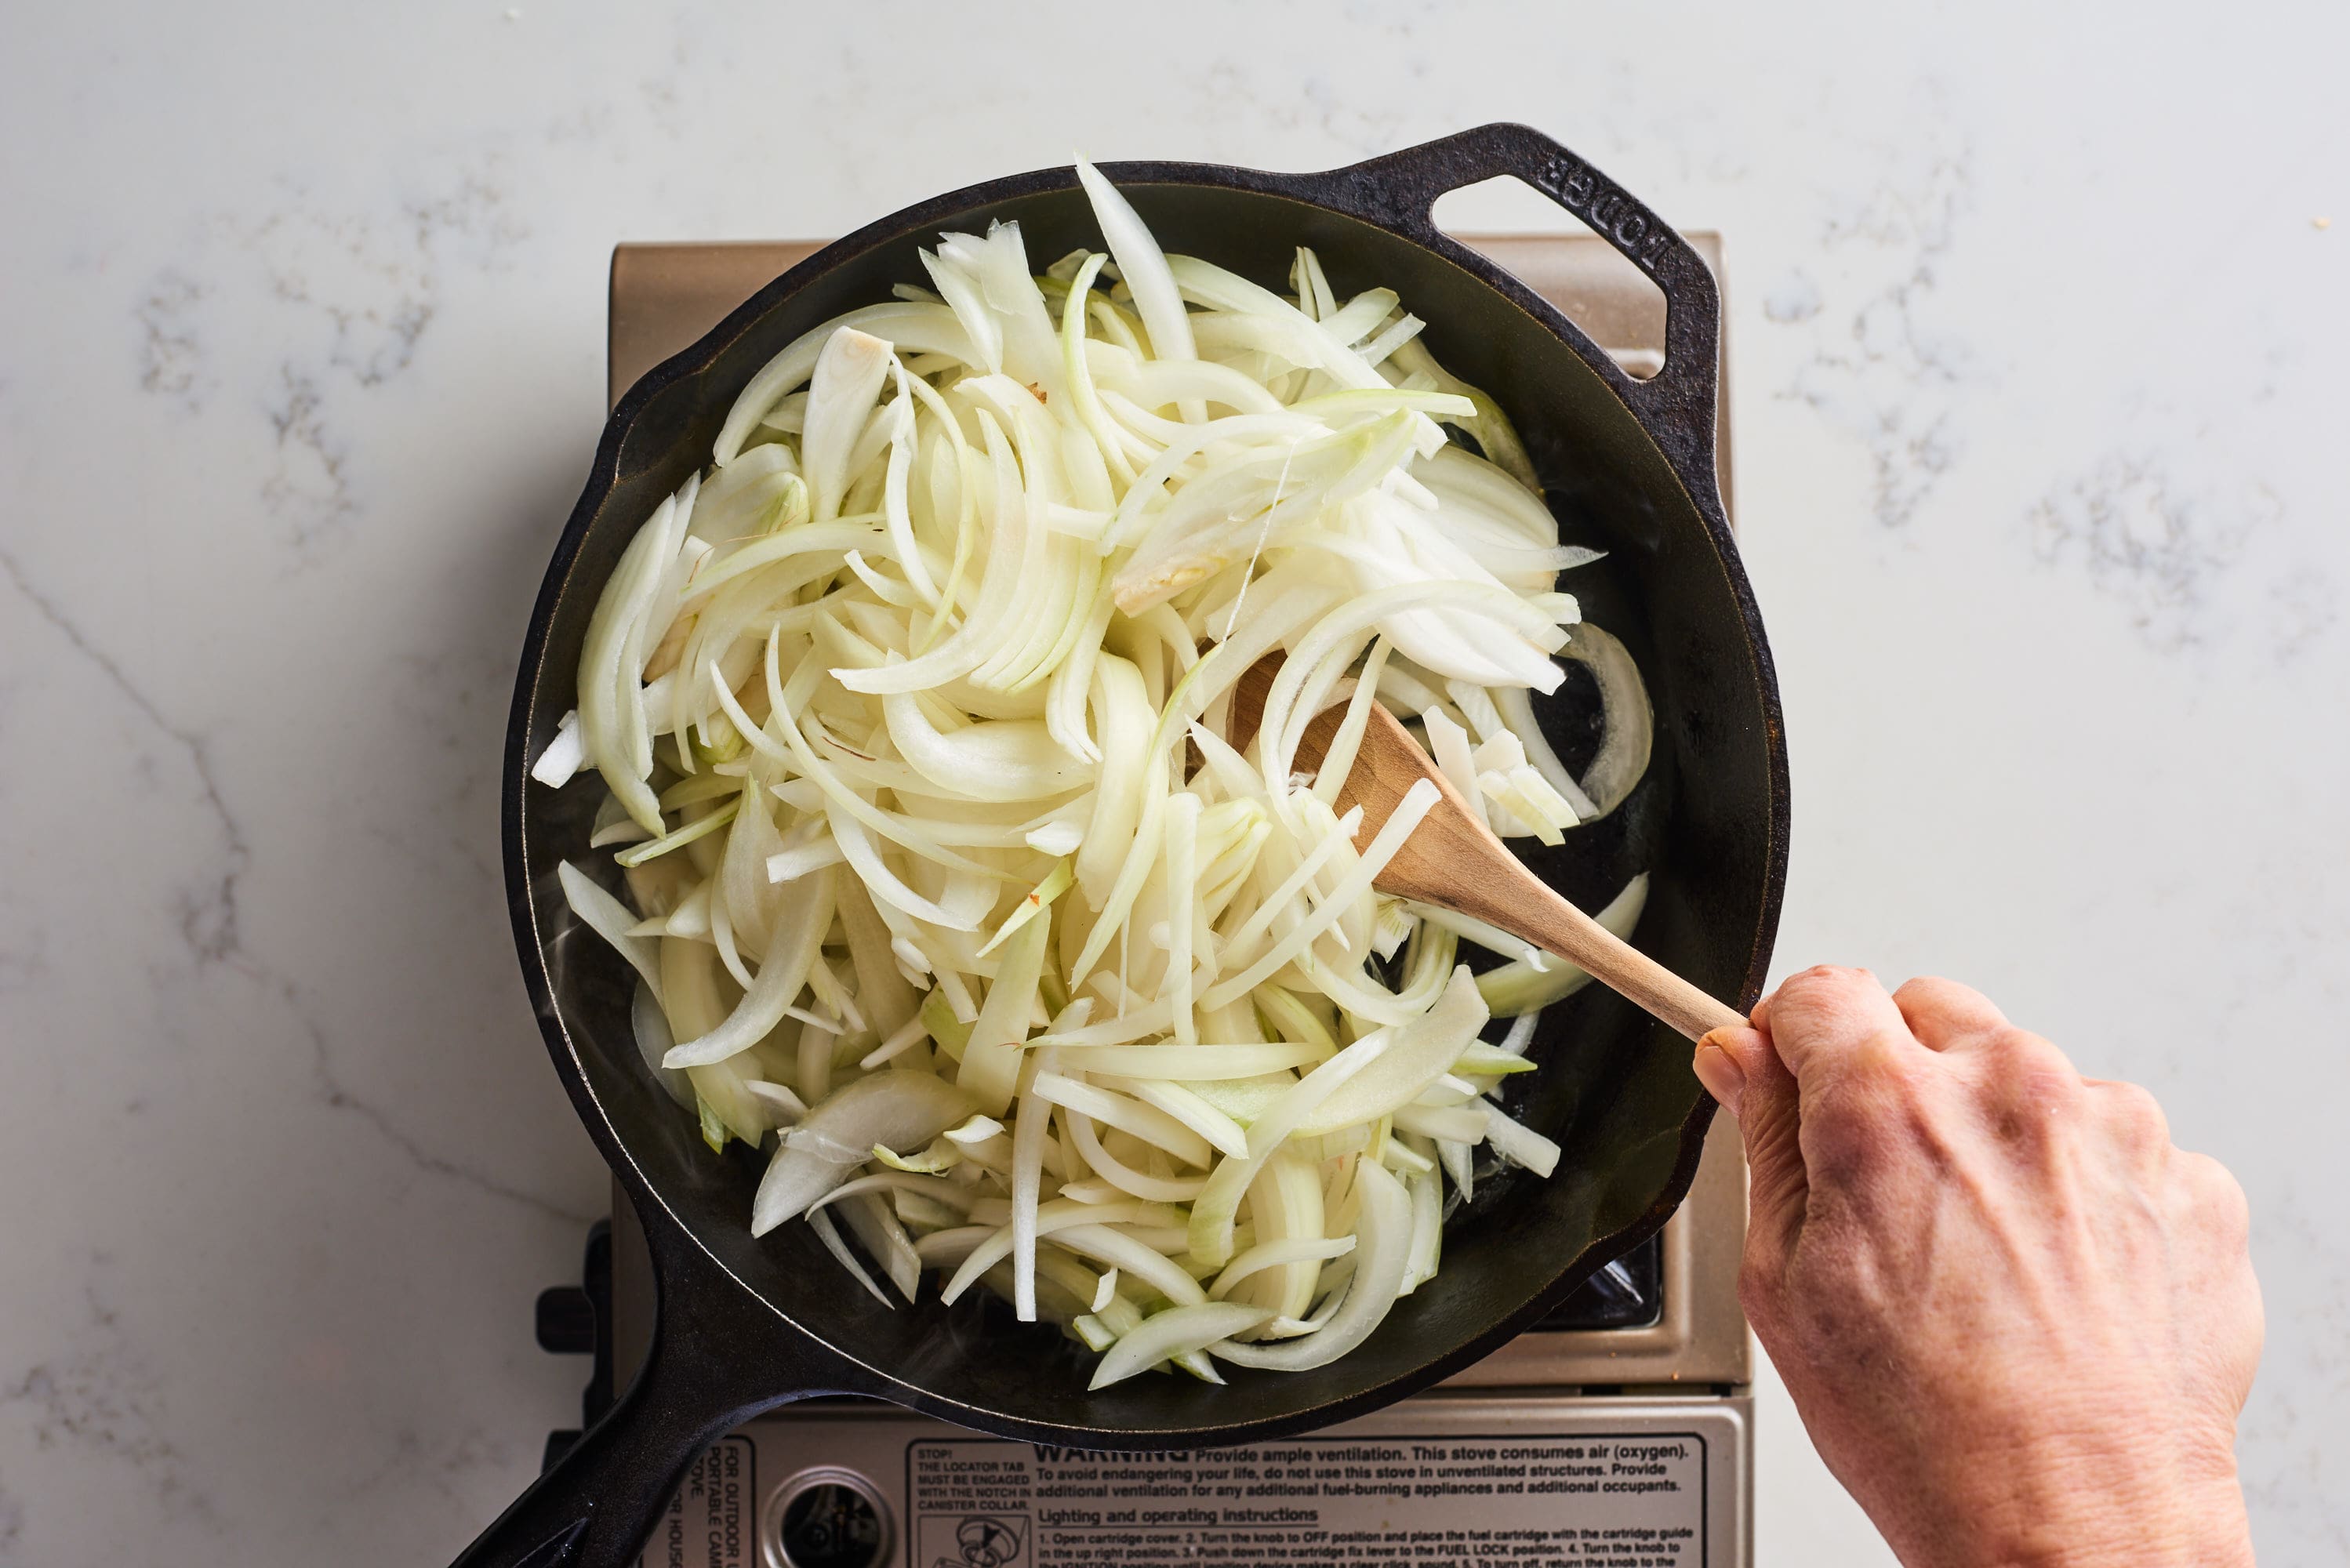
[1678,405]
[596,1507]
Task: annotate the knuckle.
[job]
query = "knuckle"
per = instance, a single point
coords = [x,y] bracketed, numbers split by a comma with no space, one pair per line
[1918,988]
[2216,1199]
[1885,1071]
[2137,1117]
[1838,1142]
[1821,1017]
[2022,1047]
[2028,1069]
[1935,988]
[1943,1012]
[1822,979]
[1856,1125]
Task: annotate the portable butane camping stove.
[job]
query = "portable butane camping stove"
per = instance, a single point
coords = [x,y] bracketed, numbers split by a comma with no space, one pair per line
[1618,1432]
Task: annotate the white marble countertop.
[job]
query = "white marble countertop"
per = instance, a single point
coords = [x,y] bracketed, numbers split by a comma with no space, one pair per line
[2034,320]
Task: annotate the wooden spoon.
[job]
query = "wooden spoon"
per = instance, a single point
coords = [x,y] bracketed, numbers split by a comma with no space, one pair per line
[1452,860]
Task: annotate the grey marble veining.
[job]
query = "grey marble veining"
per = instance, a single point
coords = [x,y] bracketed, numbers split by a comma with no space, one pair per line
[2036,346]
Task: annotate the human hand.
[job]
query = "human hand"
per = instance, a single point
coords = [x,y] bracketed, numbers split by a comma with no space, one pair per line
[2018,1324]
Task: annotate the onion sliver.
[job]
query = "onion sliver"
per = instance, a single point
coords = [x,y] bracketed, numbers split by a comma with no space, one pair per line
[1519,1145]
[1170,1332]
[898,1108]
[1627,722]
[1417,1054]
[1052,1218]
[792,954]
[611,919]
[1382,1254]
[1272,1254]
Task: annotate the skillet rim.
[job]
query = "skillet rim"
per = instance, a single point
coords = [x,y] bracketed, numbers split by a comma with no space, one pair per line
[1686,447]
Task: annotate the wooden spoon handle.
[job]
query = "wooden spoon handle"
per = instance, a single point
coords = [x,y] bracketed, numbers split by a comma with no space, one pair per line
[1556,926]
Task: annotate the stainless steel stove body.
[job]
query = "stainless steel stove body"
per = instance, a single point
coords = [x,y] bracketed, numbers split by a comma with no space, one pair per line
[1618,1433]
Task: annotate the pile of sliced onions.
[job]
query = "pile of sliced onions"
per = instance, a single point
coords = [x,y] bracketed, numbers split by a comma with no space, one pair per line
[947,884]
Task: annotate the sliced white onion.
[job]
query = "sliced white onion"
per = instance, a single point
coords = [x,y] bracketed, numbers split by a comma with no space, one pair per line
[1417,1054]
[913,714]
[901,1109]
[1142,264]
[1626,719]
[793,954]
[1170,1332]
[1456,1124]
[1272,1254]
[611,919]
[1518,1144]
[1382,1257]
[872,1223]
[1209,1061]
[562,756]
[821,1223]
[1051,1220]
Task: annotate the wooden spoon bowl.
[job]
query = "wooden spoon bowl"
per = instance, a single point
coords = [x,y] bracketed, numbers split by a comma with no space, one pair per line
[1453,861]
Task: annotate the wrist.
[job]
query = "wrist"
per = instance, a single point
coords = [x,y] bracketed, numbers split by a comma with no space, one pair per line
[2064,1513]
[2209,1530]
[2185,1527]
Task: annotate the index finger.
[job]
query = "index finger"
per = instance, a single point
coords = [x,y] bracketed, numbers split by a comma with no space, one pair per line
[1826,1020]
[1942,1013]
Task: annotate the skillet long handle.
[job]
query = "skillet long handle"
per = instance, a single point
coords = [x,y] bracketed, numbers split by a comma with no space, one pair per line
[1558,927]
[597,1506]
[715,1362]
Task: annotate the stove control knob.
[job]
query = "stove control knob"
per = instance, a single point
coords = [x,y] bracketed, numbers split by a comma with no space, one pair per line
[566,1321]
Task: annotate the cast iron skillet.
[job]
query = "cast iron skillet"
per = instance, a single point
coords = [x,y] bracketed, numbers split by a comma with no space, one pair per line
[746,1325]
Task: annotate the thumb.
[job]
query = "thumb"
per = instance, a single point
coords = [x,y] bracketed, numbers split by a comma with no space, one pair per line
[1743,1070]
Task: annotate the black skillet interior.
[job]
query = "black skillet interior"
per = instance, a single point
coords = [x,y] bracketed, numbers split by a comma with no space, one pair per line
[1708,822]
